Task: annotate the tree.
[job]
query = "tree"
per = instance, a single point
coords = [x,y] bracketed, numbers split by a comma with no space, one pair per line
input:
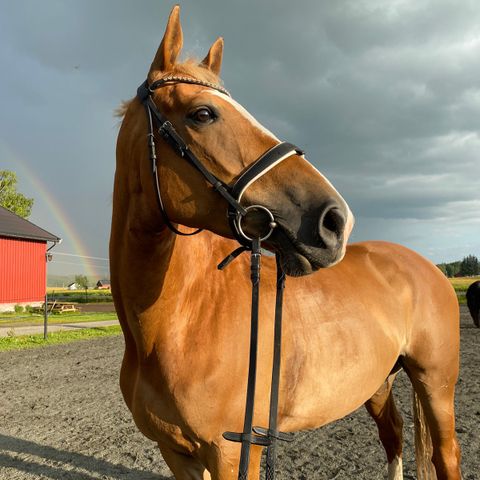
[449,269]
[10,198]
[81,281]
[469,266]
[443,268]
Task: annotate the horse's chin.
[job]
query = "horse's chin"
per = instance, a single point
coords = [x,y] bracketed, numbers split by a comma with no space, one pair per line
[295,264]
[297,259]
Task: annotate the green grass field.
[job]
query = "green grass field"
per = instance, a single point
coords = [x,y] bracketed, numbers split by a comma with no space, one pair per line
[461,284]
[66,291]
[79,296]
[32,341]
[36,319]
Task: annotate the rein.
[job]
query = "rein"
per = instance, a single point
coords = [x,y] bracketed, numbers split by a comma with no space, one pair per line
[266,437]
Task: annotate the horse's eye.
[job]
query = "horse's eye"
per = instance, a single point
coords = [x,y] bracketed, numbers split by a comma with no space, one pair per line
[203,115]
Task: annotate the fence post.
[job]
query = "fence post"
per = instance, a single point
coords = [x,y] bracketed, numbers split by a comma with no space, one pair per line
[45,316]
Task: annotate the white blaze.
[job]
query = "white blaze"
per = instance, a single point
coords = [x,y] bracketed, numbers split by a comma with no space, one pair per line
[240,109]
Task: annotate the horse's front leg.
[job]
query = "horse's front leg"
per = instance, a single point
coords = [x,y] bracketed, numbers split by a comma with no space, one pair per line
[183,466]
[218,462]
[225,459]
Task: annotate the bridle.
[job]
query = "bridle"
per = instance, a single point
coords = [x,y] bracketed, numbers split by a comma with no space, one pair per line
[232,194]
[236,214]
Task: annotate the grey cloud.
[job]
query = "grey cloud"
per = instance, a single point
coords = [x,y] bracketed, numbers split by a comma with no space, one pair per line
[384,96]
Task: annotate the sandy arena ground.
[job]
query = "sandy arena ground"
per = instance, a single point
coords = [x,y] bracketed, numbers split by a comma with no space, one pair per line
[62,417]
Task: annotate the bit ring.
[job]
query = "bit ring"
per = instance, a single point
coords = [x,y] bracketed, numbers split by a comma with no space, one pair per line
[272,224]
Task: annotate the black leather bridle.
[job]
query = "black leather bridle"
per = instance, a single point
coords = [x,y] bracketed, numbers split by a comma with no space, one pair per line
[236,213]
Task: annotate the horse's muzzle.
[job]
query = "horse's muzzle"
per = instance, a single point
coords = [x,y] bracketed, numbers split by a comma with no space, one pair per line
[307,238]
[314,240]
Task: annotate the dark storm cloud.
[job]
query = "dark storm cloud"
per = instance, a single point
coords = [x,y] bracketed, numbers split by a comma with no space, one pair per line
[384,97]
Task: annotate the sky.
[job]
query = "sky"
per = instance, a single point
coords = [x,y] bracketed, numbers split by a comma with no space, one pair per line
[384,96]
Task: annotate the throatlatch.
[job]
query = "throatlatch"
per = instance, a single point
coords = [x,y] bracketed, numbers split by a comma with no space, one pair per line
[266,437]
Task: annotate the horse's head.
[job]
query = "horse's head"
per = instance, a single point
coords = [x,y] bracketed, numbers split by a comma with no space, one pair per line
[312,220]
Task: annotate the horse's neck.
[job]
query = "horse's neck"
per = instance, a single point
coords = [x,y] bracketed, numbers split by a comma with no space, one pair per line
[166,268]
[167,286]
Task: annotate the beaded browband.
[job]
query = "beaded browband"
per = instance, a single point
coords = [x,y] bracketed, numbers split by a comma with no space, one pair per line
[181,79]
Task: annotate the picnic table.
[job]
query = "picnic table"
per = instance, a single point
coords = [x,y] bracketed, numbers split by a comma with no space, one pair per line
[59,307]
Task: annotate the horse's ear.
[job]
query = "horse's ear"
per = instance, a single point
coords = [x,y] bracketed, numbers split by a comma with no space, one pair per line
[213,60]
[171,45]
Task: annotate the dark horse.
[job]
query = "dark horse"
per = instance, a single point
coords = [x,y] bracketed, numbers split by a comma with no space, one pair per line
[473,301]
[347,323]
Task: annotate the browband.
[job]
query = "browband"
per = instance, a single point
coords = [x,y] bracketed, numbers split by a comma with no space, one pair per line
[149,89]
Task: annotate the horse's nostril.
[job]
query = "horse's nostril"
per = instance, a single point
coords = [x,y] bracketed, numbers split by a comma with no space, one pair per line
[331,226]
[334,220]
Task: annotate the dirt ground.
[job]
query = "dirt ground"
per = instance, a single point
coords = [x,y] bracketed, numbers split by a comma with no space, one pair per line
[62,417]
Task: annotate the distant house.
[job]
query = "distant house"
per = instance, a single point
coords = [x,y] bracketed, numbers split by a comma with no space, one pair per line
[23,249]
[103,285]
[73,286]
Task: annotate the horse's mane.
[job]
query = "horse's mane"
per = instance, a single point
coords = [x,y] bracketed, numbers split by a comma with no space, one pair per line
[190,68]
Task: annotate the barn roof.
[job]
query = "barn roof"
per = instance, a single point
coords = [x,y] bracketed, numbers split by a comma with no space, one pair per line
[12,225]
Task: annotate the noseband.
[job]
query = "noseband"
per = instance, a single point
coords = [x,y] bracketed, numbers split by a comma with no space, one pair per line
[236,214]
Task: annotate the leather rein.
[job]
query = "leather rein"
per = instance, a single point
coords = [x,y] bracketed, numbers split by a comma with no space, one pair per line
[266,437]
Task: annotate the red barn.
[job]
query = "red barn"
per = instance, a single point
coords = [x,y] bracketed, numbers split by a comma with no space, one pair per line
[23,249]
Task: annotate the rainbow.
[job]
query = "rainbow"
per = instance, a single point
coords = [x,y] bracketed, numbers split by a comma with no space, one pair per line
[62,225]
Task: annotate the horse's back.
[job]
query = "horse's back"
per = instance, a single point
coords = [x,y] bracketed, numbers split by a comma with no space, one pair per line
[386,276]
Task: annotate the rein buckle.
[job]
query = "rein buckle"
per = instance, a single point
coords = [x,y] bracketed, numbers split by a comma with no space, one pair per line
[247,438]
[267,433]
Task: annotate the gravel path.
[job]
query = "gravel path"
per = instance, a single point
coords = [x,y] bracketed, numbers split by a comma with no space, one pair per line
[62,417]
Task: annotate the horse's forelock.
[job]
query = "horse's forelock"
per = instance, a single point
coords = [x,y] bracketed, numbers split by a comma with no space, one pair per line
[190,68]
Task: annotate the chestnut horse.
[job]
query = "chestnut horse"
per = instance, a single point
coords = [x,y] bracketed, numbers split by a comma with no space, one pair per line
[347,330]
